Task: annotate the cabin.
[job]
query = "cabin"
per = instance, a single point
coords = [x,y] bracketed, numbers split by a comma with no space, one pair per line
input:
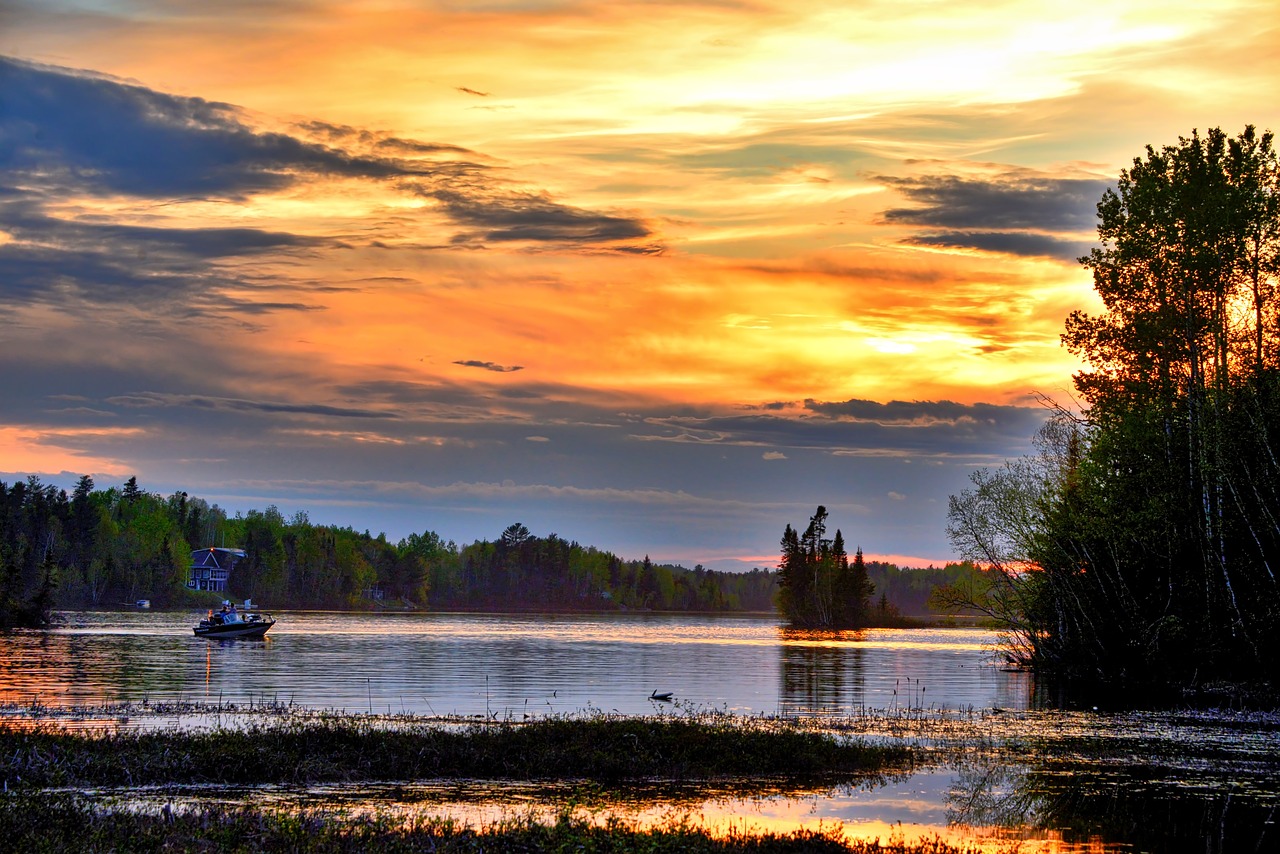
[211,567]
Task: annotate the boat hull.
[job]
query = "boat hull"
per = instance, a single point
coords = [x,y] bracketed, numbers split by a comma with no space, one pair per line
[254,629]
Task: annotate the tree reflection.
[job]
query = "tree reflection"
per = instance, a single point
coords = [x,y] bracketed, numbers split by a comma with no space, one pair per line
[822,671]
[988,792]
[1129,806]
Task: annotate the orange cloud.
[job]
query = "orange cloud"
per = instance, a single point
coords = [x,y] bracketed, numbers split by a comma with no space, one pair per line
[36,451]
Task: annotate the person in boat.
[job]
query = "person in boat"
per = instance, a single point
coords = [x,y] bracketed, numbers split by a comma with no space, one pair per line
[232,617]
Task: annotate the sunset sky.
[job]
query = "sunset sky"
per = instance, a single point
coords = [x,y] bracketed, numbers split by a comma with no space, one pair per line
[656,277]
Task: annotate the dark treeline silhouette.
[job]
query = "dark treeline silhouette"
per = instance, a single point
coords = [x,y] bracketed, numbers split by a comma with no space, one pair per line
[104,548]
[819,587]
[1141,545]
[519,570]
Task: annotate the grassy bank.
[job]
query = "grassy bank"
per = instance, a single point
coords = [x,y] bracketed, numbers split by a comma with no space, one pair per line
[343,749]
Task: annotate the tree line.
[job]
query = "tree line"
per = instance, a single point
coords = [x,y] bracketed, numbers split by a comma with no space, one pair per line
[1140,543]
[107,547]
[99,548]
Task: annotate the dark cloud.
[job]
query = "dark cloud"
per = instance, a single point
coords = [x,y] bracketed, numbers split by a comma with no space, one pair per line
[1028,244]
[940,429]
[249,307]
[26,221]
[66,133]
[489,366]
[1017,213]
[529,217]
[64,130]
[67,262]
[157,399]
[923,413]
[41,274]
[1017,200]
[901,429]
[348,137]
[101,135]
[467,91]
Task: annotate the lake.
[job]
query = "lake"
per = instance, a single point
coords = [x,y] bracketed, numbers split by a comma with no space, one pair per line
[506,664]
[1074,779]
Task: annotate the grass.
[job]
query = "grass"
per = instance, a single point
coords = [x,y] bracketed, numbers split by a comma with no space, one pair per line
[352,749]
[39,763]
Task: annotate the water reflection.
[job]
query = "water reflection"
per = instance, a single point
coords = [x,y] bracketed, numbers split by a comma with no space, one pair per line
[983,802]
[822,672]
[1105,804]
[983,807]
[826,672]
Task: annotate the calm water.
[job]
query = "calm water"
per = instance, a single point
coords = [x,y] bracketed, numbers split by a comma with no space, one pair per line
[506,664]
[1162,781]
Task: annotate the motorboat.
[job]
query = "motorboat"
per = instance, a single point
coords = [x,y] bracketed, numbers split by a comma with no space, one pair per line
[230,623]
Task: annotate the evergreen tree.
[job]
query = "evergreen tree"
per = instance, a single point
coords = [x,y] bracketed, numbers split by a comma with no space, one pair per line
[817,586]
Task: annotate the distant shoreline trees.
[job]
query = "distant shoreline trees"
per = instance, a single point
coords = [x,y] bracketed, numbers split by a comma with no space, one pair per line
[106,548]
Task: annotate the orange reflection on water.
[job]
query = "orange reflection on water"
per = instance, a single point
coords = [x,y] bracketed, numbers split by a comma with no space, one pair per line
[82,725]
[479,805]
[952,640]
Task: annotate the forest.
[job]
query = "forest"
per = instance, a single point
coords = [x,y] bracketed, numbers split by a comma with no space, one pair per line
[105,548]
[1140,544]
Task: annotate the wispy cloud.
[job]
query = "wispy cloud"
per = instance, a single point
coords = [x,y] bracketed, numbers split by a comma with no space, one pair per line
[489,366]
[154,399]
[510,217]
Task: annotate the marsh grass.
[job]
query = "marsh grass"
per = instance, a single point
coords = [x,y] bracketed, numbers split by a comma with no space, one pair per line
[609,753]
[350,749]
[59,822]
